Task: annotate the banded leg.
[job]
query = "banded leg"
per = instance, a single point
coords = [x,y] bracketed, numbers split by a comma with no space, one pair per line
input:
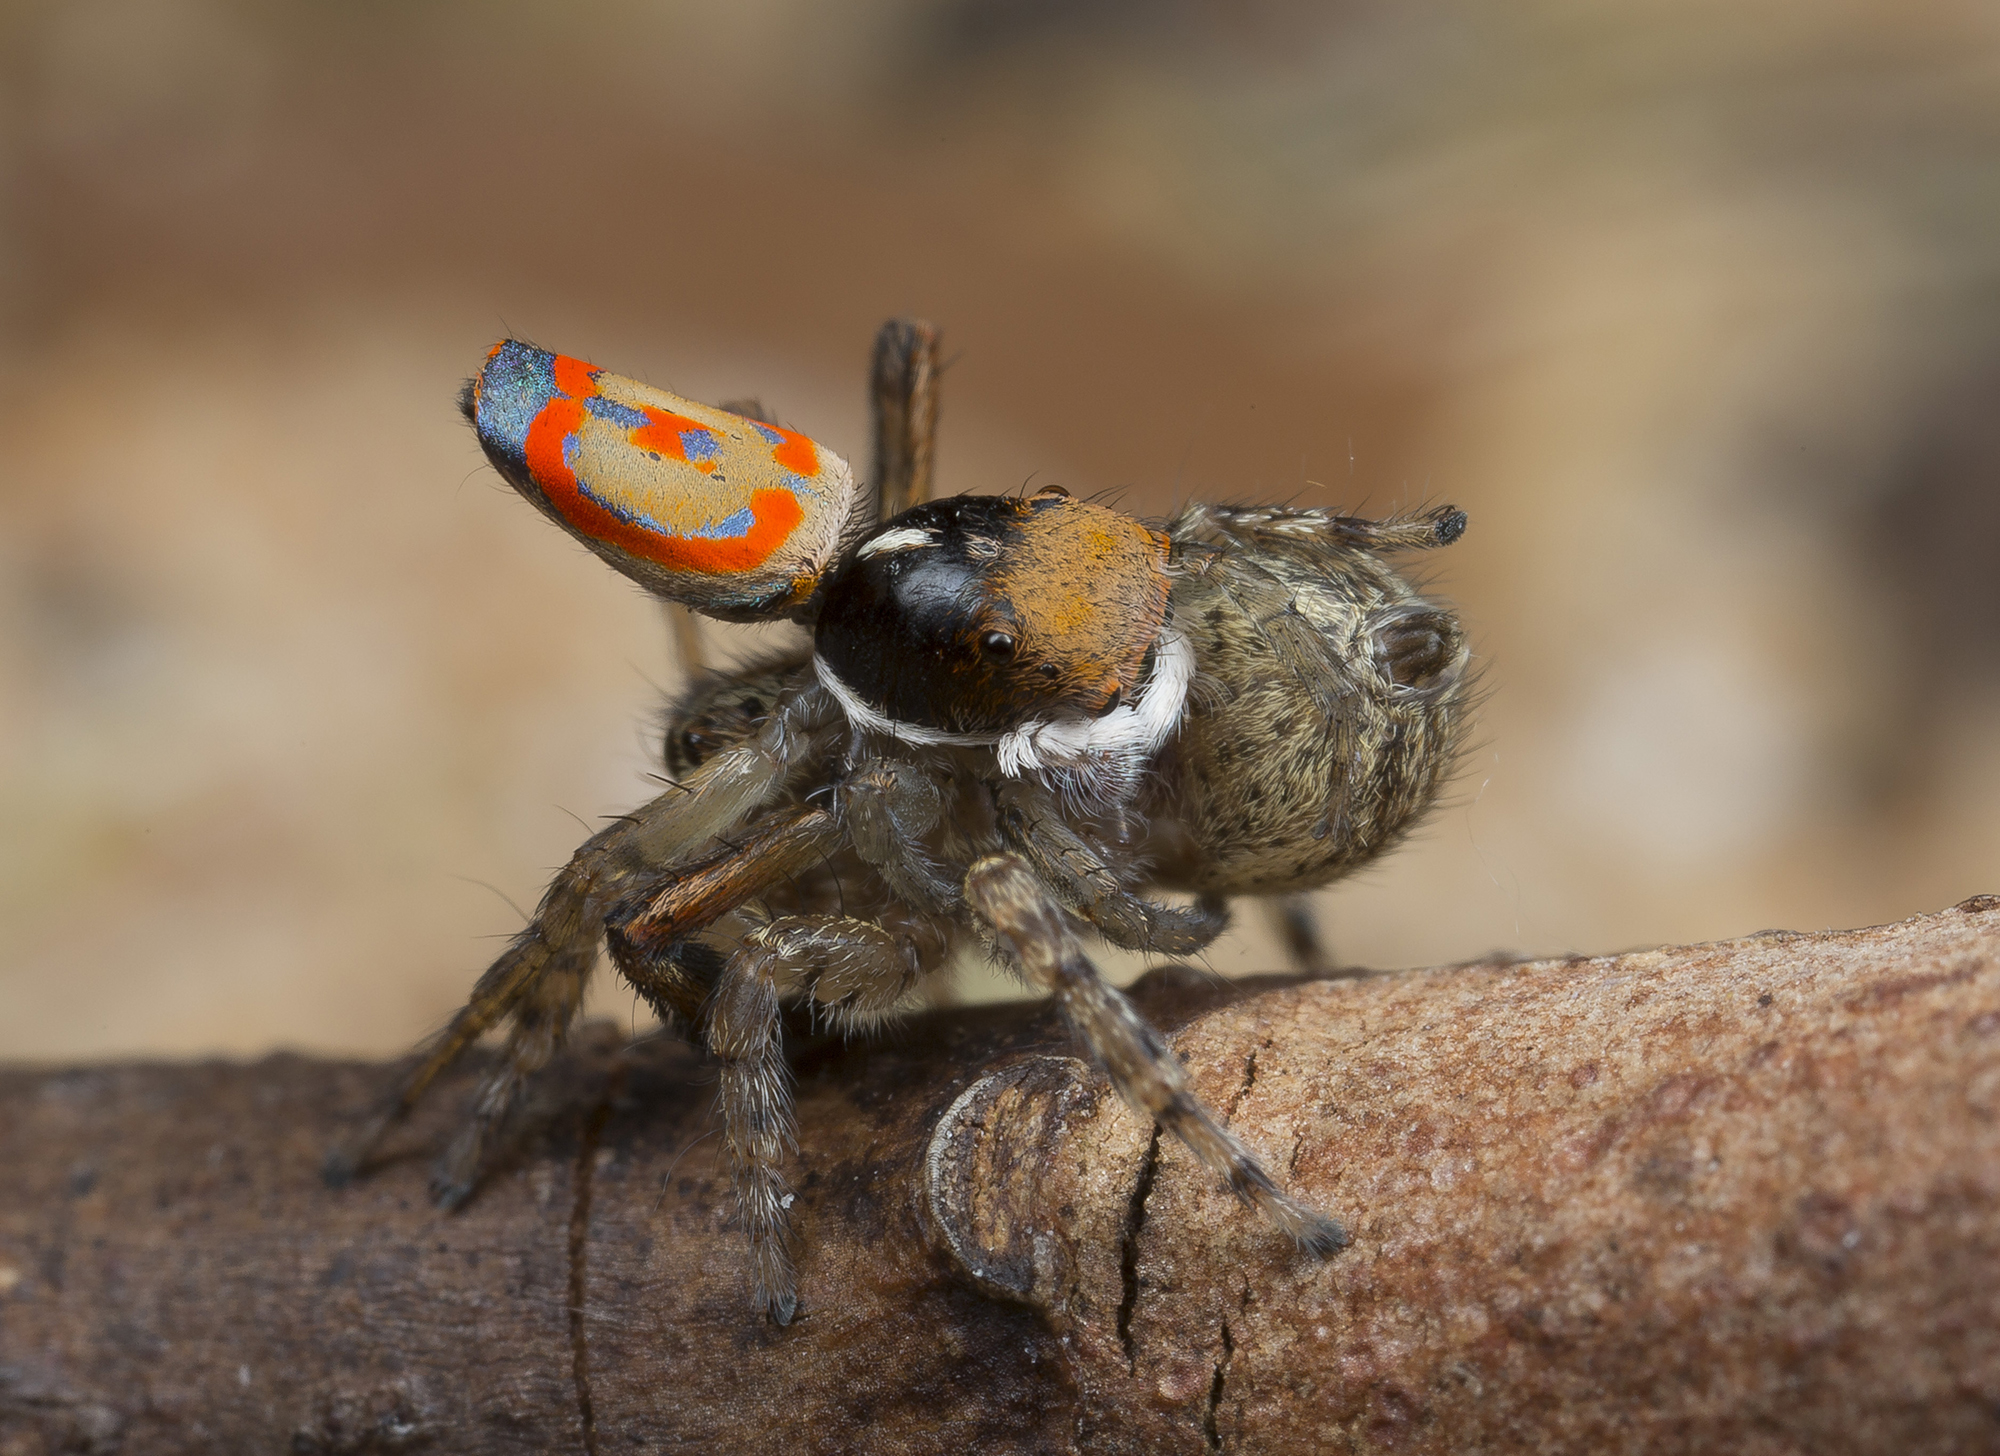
[1316,529]
[1084,884]
[857,972]
[1030,926]
[550,961]
[744,1032]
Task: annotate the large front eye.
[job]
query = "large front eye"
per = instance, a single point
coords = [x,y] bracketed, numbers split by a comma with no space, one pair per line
[997,645]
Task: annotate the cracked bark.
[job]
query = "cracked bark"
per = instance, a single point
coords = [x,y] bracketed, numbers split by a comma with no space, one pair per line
[1741,1197]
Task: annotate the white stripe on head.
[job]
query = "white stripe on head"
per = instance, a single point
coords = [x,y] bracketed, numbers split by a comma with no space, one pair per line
[873,720]
[903,538]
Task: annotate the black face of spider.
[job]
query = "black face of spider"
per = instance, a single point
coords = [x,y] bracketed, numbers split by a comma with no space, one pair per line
[977,614]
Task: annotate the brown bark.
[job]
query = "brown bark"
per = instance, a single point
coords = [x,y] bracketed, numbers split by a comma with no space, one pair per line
[1737,1197]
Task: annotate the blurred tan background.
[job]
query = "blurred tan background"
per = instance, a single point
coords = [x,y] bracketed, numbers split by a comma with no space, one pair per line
[1694,307]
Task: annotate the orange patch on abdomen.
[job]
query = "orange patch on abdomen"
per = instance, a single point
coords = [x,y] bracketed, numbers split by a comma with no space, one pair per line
[574,377]
[550,429]
[797,454]
[662,433]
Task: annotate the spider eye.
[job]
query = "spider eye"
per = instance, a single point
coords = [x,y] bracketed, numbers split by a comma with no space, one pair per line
[997,645]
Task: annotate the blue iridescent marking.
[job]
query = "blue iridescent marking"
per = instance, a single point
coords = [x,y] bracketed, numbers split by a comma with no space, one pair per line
[513,387]
[616,413]
[791,481]
[732,528]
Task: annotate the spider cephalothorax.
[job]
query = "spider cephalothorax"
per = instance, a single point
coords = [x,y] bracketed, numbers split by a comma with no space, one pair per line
[1014,717]
[1036,628]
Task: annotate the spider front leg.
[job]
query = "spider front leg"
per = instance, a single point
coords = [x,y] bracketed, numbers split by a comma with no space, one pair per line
[539,980]
[857,971]
[890,808]
[1031,927]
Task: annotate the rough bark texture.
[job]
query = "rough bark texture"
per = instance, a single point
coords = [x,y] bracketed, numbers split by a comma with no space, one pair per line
[1738,1197]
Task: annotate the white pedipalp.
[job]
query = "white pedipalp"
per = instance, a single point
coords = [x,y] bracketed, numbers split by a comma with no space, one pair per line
[1125,736]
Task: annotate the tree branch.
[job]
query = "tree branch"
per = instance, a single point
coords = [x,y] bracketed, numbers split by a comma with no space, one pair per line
[1739,1197]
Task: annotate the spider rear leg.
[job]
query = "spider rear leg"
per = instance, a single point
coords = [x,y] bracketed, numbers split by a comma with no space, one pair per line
[1298,927]
[1084,884]
[1028,923]
[1319,529]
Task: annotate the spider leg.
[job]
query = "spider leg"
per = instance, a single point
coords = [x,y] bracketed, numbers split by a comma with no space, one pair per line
[744,1032]
[688,653]
[1004,892]
[1086,886]
[697,894]
[1320,530]
[889,809]
[539,1025]
[905,395]
[1298,930]
[858,972]
[548,963]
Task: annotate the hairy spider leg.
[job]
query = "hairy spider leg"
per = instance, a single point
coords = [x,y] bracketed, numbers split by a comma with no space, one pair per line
[1030,926]
[1297,924]
[889,809]
[1086,886]
[550,961]
[857,972]
[903,380]
[1286,526]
